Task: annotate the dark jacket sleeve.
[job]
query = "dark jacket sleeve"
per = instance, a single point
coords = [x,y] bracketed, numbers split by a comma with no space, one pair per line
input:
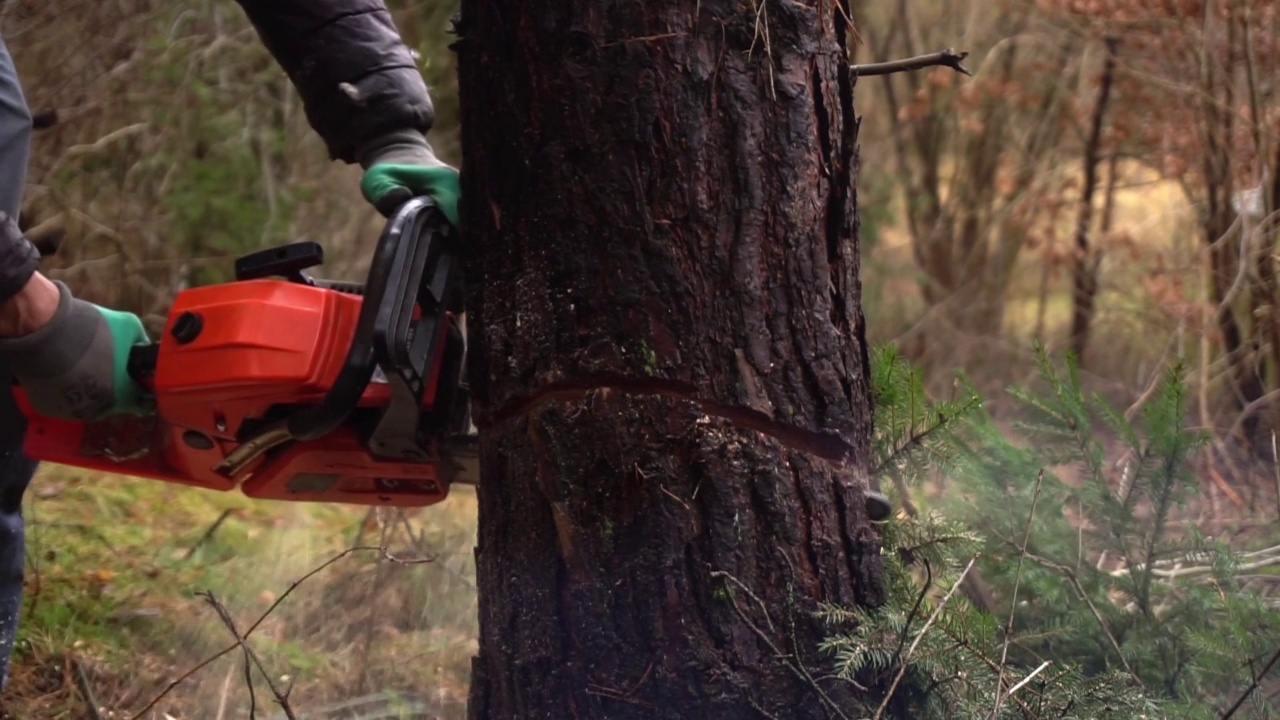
[356,77]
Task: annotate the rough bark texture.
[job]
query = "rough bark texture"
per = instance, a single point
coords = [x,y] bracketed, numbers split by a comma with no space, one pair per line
[667,355]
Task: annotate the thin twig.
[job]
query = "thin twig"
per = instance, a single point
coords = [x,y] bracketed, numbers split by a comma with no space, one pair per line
[1028,678]
[1013,602]
[767,715]
[226,691]
[1275,463]
[991,665]
[902,670]
[1156,376]
[762,20]
[248,682]
[947,58]
[208,534]
[673,496]
[282,697]
[371,622]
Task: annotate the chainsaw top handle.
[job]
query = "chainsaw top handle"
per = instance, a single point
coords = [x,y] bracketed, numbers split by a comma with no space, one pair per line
[392,286]
[414,234]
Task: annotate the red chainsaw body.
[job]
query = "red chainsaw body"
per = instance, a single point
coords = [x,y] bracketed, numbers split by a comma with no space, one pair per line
[263,345]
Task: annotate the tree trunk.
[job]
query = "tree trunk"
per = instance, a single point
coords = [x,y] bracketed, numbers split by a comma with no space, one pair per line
[1084,273]
[667,355]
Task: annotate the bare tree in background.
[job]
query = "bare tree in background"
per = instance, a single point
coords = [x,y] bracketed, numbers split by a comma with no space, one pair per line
[1198,68]
[971,157]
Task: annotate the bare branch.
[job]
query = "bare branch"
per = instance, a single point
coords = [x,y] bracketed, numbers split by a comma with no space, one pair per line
[1071,579]
[947,58]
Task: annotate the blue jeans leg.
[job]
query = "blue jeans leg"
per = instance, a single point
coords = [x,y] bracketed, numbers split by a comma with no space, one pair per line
[16,471]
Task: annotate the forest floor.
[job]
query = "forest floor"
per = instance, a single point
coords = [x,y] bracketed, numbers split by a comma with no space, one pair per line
[123,576]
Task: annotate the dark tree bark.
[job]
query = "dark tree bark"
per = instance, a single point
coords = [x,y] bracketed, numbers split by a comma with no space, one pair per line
[667,355]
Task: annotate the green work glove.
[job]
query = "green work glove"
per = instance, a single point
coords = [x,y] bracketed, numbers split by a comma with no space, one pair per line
[400,166]
[76,366]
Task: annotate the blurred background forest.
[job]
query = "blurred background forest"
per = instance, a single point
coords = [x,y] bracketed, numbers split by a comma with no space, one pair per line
[1105,183]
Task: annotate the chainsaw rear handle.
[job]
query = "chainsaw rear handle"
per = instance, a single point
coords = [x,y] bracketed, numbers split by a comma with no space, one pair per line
[415,231]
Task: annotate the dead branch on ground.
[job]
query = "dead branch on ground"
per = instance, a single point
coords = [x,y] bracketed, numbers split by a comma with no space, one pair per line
[383,552]
[85,688]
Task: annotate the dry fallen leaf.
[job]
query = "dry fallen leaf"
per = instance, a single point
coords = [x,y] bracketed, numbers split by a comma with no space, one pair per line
[102,576]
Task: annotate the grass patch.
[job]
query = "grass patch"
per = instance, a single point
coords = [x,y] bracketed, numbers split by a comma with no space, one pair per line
[114,566]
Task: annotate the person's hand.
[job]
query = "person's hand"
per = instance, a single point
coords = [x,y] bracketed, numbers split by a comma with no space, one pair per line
[75,366]
[401,166]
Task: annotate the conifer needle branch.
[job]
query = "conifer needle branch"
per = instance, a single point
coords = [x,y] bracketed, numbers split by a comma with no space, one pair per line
[1013,602]
[991,664]
[1072,580]
[1252,686]
[947,58]
[902,668]
[914,441]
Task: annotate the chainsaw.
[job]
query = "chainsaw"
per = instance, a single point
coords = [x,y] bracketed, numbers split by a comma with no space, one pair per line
[249,388]
[248,391]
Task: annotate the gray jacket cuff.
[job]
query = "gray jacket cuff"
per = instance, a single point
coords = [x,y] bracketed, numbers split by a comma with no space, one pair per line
[403,147]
